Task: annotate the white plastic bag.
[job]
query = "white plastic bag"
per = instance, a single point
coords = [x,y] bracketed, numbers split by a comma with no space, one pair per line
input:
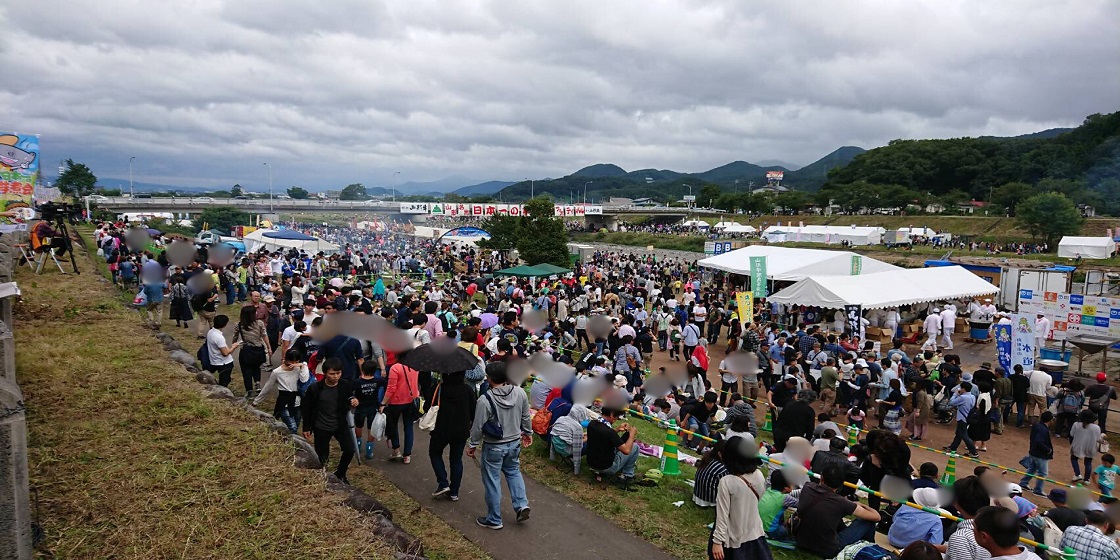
[377,429]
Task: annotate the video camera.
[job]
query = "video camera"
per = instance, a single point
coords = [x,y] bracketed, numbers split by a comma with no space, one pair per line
[55,211]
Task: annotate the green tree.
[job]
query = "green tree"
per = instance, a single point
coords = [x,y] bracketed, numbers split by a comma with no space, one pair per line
[77,180]
[354,191]
[542,239]
[708,194]
[108,192]
[298,193]
[1049,216]
[1008,195]
[504,231]
[236,190]
[221,217]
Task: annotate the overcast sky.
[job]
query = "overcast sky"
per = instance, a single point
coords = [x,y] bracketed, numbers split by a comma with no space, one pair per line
[339,91]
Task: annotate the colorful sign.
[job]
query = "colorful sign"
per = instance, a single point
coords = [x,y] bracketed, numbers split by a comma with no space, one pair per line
[775,175]
[1023,345]
[1003,346]
[19,174]
[758,276]
[744,303]
[857,265]
[1073,314]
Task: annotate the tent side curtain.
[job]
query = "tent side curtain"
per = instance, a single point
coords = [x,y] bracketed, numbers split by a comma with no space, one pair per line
[886,289]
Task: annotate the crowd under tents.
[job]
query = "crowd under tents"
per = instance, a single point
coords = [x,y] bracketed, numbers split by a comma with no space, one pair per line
[886,289]
[1086,247]
[791,264]
[278,240]
[854,235]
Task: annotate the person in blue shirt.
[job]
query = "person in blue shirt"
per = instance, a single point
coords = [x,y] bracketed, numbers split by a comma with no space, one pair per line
[778,356]
[911,524]
[964,401]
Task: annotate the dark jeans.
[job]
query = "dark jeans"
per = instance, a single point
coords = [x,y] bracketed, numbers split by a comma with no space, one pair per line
[224,373]
[345,442]
[1076,467]
[286,409]
[582,341]
[962,435]
[250,370]
[393,413]
[435,453]
[725,391]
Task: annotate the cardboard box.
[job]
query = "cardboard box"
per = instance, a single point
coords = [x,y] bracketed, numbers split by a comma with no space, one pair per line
[962,324]
[911,328]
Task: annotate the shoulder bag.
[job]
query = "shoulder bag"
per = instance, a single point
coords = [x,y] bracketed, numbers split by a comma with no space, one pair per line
[492,428]
[428,420]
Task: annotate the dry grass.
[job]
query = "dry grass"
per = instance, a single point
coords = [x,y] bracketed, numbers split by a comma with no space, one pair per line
[246,452]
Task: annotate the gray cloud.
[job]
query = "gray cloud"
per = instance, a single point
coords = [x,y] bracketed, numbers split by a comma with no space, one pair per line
[335,92]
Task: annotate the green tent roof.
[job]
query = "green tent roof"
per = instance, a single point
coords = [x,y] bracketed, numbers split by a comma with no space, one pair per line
[550,269]
[523,270]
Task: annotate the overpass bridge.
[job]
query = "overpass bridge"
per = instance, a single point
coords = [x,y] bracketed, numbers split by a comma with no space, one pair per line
[596,215]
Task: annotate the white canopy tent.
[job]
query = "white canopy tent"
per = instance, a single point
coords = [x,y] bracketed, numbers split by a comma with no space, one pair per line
[1087,247]
[788,263]
[721,225]
[856,235]
[696,224]
[925,232]
[886,289]
[740,229]
[264,238]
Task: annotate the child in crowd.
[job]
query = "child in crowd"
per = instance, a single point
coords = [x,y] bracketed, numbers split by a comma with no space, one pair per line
[773,504]
[1106,474]
[856,414]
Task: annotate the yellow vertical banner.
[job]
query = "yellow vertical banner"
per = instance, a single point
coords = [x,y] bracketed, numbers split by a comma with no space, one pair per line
[744,302]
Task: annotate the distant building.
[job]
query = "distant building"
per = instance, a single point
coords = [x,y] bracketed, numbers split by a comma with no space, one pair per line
[333,194]
[618,201]
[644,202]
[1086,210]
[772,189]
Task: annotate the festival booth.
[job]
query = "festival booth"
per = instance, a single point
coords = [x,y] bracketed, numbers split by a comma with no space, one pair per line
[463,236]
[740,229]
[853,235]
[273,240]
[1086,247]
[792,264]
[925,232]
[700,224]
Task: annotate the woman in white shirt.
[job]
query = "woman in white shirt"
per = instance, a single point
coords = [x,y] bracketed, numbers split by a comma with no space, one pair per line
[286,379]
[738,531]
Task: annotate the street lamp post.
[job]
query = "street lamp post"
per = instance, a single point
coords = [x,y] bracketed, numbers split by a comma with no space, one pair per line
[689,204]
[131,190]
[269,166]
[585,192]
[395,173]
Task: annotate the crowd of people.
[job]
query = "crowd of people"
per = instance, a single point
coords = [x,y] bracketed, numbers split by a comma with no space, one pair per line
[566,359]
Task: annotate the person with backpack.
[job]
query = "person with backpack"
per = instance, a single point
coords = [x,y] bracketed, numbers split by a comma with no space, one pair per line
[456,401]
[287,380]
[1099,396]
[965,403]
[502,426]
[1070,402]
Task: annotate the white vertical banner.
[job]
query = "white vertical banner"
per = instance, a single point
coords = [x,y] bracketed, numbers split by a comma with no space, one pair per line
[1023,344]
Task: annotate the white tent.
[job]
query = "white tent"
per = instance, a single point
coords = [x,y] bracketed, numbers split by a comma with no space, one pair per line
[925,232]
[721,225]
[788,263]
[695,223]
[272,240]
[886,289]
[739,229]
[1086,247]
[856,235]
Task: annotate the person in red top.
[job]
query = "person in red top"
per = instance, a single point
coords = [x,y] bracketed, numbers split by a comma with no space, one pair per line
[403,387]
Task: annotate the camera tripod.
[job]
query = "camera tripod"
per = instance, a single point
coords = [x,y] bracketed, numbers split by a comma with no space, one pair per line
[59,222]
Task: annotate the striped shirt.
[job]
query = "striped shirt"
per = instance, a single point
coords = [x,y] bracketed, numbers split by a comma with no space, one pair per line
[707,483]
[962,544]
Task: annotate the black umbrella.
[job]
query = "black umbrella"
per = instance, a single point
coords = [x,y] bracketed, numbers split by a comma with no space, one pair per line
[442,358]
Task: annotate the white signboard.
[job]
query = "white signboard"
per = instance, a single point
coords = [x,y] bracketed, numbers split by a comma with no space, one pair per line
[1023,341]
[414,208]
[593,210]
[1072,314]
[689,198]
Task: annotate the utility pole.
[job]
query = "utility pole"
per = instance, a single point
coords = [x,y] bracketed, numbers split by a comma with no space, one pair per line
[131,190]
[585,191]
[266,164]
[394,189]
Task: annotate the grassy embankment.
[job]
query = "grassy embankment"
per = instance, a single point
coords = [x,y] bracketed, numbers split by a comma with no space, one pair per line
[128,456]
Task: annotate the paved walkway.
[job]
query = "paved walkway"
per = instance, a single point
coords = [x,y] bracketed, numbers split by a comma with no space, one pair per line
[558,528]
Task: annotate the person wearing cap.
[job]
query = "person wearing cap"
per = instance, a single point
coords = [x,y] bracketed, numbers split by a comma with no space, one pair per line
[1041,330]
[948,325]
[1099,396]
[964,401]
[911,524]
[1062,515]
[738,530]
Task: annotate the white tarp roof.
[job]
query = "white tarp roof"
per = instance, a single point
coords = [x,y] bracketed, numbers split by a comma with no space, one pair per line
[725,224]
[886,289]
[1088,247]
[788,263]
[856,235]
[256,240]
[923,232]
[695,223]
[739,229]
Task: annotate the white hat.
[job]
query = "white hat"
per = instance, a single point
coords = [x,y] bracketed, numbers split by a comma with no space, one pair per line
[936,310]
[927,497]
[1014,489]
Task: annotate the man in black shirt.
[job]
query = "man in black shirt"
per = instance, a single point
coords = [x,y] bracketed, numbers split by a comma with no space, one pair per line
[325,406]
[694,418]
[1061,515]
[820,510]
[609,451]
[984,374]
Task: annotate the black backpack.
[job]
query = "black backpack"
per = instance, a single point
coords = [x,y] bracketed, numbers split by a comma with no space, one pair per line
[203,356]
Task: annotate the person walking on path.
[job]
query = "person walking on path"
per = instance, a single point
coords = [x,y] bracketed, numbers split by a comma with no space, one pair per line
[1084,436]
[965,402]
[456,402]
[1098,396]
[221,353]
[325,406]
[1037,461]
[255,351]
[501,424]
[287,380]
[400,393]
